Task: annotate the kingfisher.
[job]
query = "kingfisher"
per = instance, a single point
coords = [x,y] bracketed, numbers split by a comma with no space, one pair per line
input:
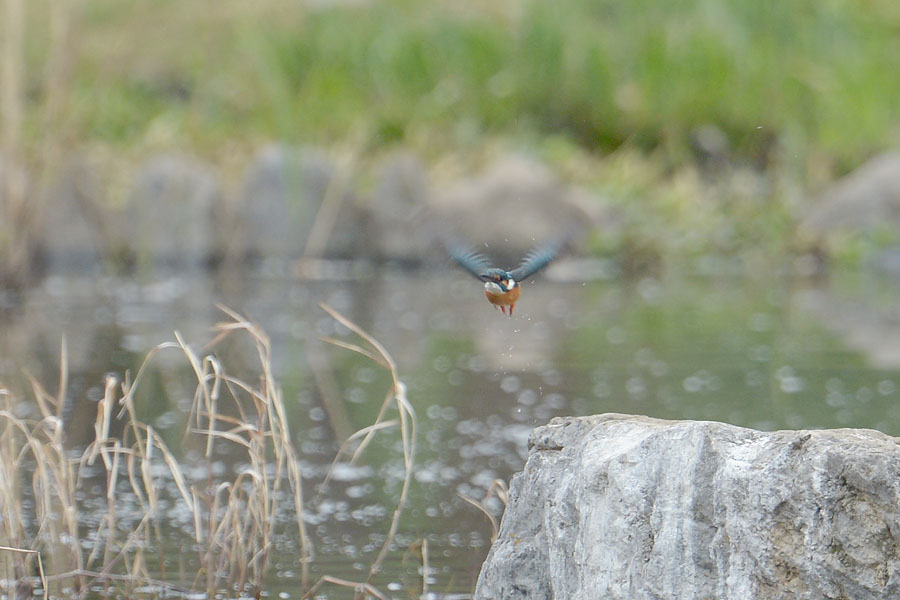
[503,288]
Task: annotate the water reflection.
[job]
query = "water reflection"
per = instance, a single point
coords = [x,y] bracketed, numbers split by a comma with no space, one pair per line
[764,356]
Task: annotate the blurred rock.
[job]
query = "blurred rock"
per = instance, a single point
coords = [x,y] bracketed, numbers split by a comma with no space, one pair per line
[283,193]
[512,206]
[74,229]
[862,322]
[397,211]
[170,217]
[295,203]
[887,261]
[866,199]
[617,506]
[711,147]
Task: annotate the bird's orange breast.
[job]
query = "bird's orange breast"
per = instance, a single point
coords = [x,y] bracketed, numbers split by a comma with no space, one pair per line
[506,298]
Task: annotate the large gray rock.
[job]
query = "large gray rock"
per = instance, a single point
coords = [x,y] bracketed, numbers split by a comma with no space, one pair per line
[617,506]
[866,199]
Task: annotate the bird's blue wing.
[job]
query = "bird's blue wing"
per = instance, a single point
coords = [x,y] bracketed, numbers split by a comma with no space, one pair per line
[469,259]
[536,259]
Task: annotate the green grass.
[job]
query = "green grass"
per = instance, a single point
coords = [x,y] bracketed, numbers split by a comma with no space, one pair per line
[603,74]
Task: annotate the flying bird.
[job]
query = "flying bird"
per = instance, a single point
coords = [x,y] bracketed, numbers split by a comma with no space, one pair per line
[503,288]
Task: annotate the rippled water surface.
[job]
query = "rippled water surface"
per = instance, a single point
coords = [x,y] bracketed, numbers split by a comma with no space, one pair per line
[757,353]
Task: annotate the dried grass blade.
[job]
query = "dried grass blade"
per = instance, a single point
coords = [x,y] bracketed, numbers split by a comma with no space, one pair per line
[208,401]
[357,586]
[43,399]
[132,479]
[102,422]
[225,435]
[407,428]
[63,377]
[198,527]
[305,544]
[40,564]
[495,527]
[365,431]
[361,333]
[174,467]
[147,473]
[371,434]
[425,567]
[355,348]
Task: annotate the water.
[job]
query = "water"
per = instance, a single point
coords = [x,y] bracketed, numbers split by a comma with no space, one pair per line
[765,354]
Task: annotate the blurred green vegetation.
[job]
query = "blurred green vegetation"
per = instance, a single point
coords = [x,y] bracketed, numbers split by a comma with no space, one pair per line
[803,90]
[603,74]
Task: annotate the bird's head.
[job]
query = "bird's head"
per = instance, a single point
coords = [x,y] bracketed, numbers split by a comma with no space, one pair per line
[498,281]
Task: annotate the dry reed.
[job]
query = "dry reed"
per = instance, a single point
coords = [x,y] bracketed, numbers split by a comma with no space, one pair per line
[499,489]
[395,398]
[233,521]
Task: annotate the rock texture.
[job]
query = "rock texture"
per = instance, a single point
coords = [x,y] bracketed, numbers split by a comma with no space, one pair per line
[617,506]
